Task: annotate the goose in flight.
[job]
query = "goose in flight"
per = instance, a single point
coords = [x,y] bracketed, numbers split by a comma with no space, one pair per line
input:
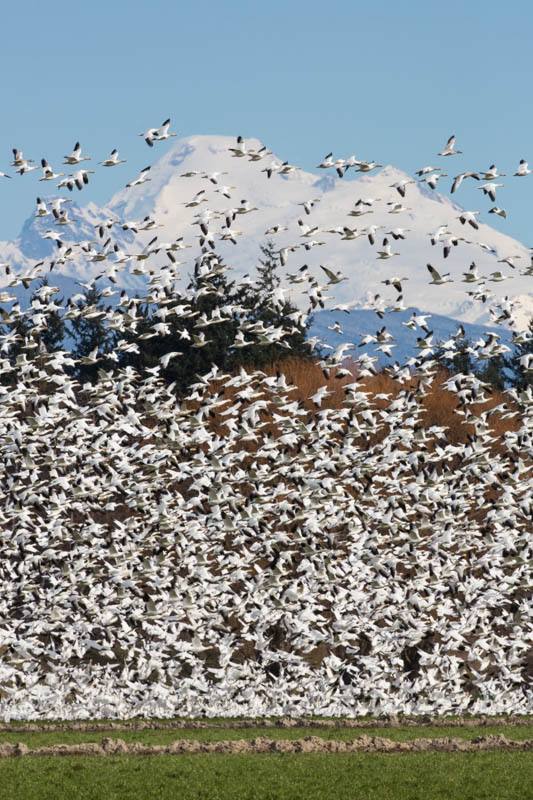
[523,169]
[48,172]
[469,216]
[162,132]
[401,186]
[79,178]
[449,149]
[398,233]
[112,160]
[433,179]
[395,282]
[240,150]
[365,166]
[472,275]
[492,173]
[397,208]
[42,209]
[457,181]
[387,251]
[326,162]
[309,204]
[490,189]
[19,160]
[142,177]
[213,176]
[152,135]
[426,171]
[334,277]
[501,212]
[438,279]
[76,157]
[3,175]
[261,153]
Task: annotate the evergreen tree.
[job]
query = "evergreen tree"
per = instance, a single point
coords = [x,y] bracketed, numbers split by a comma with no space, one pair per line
[53,334]
[200,326]
[265,306]
[516,374]
[90,332]
[459,359]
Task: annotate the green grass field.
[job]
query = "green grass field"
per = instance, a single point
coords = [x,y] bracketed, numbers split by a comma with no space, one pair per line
[216,734]
[421,776]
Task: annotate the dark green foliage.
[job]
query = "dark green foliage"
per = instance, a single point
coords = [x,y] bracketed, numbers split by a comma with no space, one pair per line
[90,332]
[53,335]
[461,361]
[517,376]
[265,305]
[225,315]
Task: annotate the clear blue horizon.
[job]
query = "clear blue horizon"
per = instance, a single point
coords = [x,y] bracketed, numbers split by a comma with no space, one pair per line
[384,82]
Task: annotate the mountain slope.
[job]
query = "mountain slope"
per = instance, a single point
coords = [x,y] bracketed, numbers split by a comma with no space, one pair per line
[278,200]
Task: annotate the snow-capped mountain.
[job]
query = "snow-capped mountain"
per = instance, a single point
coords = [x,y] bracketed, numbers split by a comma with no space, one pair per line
[278,200]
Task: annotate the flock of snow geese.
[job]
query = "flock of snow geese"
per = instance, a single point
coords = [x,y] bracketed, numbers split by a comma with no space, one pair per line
[293,558]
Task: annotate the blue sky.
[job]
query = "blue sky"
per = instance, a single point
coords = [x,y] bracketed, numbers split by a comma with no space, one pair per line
[384,80]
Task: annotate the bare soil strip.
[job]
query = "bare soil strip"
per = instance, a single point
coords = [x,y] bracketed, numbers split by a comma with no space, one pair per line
[389,721]
[311,744]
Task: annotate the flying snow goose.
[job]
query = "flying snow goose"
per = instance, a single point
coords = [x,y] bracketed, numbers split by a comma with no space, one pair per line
[387,251]
[426,171]
[432,180]
[457,181]
[76,157]
[368,166]
[81,177]
[438,279]
[162,132]
[19,160]
[449,150]
[112,160]
[261,153]
[523,169]
[490,189]
[401,186]
[469,216]
[48,172]
[492,173]
[141,178]
[501,212]
[240,150]
[42,209]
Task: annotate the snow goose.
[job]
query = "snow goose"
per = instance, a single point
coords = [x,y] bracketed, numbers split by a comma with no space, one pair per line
[432,180]
[76,157]
[240,150]
[492,173]
[162,132]
[401,186]
[499,211]
[398,233]
[426,171]
[457,181]
[449,149]
[112,160]
[523,169]
[368,166]
[141,178]
[469,216]
[19,160]
[438,279]
[81,177]
[490,189]
[48,172]
[386,252]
